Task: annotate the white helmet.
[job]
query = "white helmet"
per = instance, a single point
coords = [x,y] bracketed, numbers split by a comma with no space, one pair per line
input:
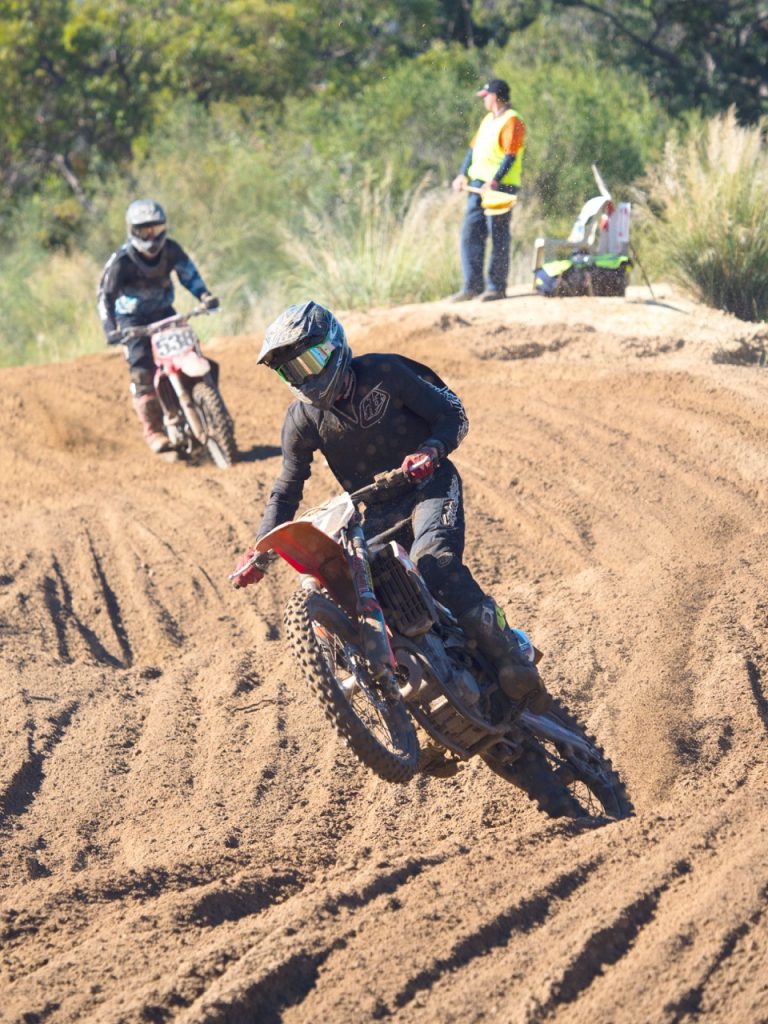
[146,226]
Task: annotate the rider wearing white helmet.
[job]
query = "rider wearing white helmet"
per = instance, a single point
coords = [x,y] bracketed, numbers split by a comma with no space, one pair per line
[136,289]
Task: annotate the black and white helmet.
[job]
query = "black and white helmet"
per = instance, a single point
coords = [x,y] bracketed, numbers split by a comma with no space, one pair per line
[307,347]
[146,226]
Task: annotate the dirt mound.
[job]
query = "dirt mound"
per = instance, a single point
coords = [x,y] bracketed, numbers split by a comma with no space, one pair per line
[183,839]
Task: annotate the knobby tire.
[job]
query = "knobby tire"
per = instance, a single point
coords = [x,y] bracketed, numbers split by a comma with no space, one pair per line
[221,434]
[325,642]
[562,785]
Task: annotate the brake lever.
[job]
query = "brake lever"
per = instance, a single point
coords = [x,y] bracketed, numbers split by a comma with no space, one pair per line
[248,565]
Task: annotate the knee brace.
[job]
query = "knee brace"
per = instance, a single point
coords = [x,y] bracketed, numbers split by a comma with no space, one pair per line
[448,579]
[142,382]
[437,564]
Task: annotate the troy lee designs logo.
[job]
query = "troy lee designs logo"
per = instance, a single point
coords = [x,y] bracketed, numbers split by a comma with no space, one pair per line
[373,406]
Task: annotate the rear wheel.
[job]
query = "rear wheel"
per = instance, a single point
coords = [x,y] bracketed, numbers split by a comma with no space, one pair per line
[375,724]
[219,428]
[565,778]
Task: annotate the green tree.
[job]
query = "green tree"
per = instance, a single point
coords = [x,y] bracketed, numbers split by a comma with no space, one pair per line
[75,82]
[707,55]
[81,79]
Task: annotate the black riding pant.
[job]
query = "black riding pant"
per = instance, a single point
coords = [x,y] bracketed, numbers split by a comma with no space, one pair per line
[141,365]
[433,532]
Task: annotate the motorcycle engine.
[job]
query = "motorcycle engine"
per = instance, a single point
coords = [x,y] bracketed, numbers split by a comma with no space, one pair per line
[465,685]
[414,677]
[417,680]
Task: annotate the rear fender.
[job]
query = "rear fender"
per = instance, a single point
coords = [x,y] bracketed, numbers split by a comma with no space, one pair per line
[312,552]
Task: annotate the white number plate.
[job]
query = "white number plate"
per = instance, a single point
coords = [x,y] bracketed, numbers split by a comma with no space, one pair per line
[169,343]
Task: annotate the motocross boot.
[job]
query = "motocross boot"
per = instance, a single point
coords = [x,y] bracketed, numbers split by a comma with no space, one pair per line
[486,627]
[150,415]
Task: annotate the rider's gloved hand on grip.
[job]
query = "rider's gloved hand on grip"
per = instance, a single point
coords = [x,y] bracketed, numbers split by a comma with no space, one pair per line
[209,301]
[421,465]
[115,337]
[242,576]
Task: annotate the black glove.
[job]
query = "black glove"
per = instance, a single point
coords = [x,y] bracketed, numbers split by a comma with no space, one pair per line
[209,301]
[115,337]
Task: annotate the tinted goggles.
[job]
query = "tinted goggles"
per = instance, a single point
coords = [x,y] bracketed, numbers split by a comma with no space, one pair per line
[148,232]
[299,369]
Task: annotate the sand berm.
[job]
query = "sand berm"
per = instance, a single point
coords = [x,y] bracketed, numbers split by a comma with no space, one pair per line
[184,839]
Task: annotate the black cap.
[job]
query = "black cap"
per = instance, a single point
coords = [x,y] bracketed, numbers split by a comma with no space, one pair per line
[498,87]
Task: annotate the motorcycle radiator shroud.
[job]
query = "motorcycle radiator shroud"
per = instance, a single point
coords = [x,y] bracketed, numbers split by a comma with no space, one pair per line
[407,604]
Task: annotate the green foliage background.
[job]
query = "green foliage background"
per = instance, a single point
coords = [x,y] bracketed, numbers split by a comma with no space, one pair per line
[292,145]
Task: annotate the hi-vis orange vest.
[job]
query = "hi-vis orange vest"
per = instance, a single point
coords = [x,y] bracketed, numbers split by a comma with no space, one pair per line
[487,153]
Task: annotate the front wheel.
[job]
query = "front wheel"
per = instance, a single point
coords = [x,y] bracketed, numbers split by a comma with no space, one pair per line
[217,423]
[563,769]
[373,723]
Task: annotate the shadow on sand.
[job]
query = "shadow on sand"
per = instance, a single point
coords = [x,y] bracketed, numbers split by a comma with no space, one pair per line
[258,453]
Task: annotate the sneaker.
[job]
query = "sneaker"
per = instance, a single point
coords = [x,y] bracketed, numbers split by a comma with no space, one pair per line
[463,296]
[491,295]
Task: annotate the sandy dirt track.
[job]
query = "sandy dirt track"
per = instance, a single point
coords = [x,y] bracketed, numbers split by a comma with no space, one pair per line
[182,837]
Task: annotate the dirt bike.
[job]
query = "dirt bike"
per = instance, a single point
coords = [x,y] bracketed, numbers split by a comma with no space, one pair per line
[385,658]
[195,417]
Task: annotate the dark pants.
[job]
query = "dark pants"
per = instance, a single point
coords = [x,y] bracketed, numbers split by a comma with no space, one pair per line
[474,233]
[139,355]
[435,535]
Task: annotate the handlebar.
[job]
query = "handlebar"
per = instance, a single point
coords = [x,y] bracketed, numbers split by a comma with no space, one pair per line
[383,485]
[145,330]
[395,480]
[260,559]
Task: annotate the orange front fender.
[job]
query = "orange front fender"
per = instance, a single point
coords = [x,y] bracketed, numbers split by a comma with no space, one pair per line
[310,551]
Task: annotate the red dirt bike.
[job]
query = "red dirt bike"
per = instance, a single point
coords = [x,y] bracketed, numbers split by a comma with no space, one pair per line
[195,417]
[385,659]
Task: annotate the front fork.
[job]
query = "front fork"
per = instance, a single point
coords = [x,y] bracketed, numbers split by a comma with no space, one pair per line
[376,645]
[185,404]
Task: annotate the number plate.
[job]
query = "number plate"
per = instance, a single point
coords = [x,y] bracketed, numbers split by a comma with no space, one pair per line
[170,343]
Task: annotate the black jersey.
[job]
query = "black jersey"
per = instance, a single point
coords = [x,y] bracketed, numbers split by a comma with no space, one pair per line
[134,290]
[395,406]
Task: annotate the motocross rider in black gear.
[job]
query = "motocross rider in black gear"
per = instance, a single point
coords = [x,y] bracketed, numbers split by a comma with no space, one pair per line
[136,289]
[366,415]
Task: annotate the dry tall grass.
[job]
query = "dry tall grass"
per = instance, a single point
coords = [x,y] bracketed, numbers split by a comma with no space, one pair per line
[369,250]
[707,215]
[49,309]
